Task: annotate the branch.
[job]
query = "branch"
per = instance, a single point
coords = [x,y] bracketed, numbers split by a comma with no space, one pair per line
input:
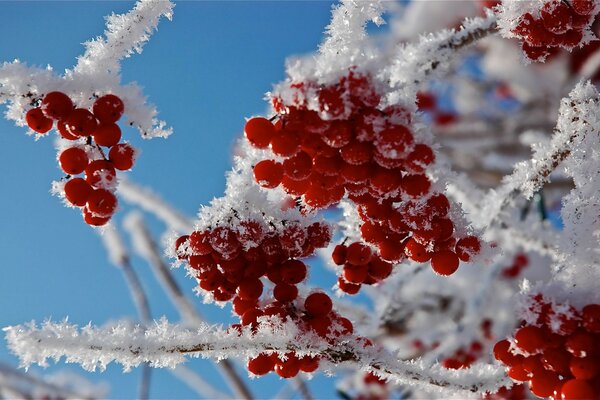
[165,345]
[147,248]
[125,34]
[530,176]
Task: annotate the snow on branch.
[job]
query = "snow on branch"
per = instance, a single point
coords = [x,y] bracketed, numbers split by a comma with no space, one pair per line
[166,345]
[413,63]
[125,34]
[97,72]
[577,115]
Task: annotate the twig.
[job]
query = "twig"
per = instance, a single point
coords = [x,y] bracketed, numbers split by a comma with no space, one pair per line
[148,249]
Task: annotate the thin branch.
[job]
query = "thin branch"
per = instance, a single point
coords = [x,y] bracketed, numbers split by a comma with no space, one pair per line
[148,249]
[165,345]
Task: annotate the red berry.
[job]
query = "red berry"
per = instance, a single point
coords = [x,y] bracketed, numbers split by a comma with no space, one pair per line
[557,360]
[73,160]
[577,389]
[391,251]
[108,108]
[338,135]
[93,220]
[250,289]
[289,367]
[81,122]
[585,368]
[259,132]
[285,293]
[394,141]
[200,242]
[319,235]
[64,132]
[358,254]
[426,101]
[544,383]
[347,287]
[295,188]
[355,273]
[556,16]
[285,144]
[416,251]
[240,306]
[107,135]
[293,271]
[309,364]
[418,159]
[261,365]
[77,191]
[467,247]
[327,165]
[356,153]
[380,269]
[122,156]
[339,254]
[37,121]
[224,240]
[444,262]
[415,185]
[531,339]
[250,233]
[317,304]
[268,173]
[101,174]
[57,105]
[518,373]
[591,318]
[292,238]
[102,203]
[583,7]
[582,344]
[297,167]
[250,317]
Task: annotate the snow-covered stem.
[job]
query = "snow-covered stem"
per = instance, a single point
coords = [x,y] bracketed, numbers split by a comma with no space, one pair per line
[166,345]
[147,248]
[530,176]
[147,200]
[125,35]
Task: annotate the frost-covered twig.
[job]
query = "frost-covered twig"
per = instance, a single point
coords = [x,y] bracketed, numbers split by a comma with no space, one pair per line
[125,34]
[165,345]
[530,176]
[147,248]
[149,201]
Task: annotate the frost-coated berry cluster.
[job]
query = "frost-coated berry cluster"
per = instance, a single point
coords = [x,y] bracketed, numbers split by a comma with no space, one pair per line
[231,262]
[86,132]
[554,24]
[352,146]
[558,354]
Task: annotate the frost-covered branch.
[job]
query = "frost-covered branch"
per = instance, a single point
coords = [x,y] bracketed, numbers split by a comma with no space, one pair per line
[530,176]
[147,248]
[165,345]
[125,35]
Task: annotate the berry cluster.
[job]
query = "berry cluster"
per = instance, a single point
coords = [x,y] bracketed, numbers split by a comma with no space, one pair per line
[559,23]
[230,262]
[558,354]
[88,130]
[332,141]
[520,262]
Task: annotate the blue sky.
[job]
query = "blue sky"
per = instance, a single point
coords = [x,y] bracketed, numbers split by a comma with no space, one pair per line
[206,70]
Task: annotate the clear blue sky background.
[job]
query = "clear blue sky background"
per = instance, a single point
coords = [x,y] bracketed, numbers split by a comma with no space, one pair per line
[206,70]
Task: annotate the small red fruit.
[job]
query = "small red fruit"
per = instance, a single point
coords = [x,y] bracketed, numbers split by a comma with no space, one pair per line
[37,121]
[108,108]
[81,122]
[107,135]
[73,160]
[122,156]
[318,304]
[77,191]
[259,132]
[102,203]
[268,173]
[444,262]
[57,105]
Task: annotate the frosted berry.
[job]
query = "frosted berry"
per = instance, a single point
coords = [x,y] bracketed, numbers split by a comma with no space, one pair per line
[268,173]
[284,292]
[73,160]
[358,254]
[107,135]
[81,122]
[101,174]
[467,247]
[37,121]
[444,262]
[262,364]
[577,389]
[102,203]
[64,131]
[122,156]
[94,220]
[57,105]
[259,131]
[77,191]
[289,367]
[108,108]
[318,303]
[591,318]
